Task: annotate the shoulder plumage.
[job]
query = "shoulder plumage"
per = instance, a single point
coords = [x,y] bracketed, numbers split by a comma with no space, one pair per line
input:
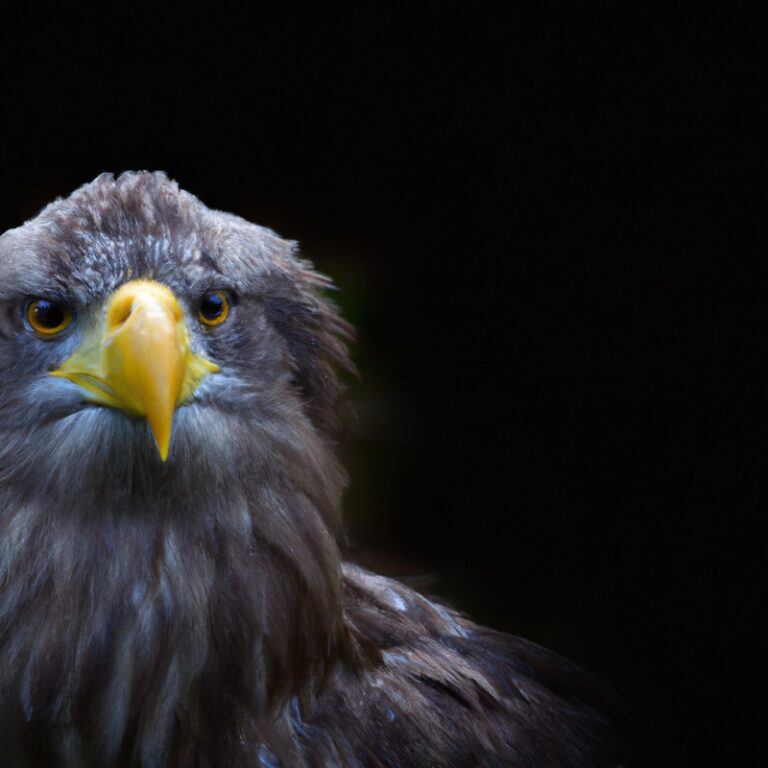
[439,690]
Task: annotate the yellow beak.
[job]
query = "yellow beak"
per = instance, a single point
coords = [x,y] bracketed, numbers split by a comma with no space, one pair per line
[137,358]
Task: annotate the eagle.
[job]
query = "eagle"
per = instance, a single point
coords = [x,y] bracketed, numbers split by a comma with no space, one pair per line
[172,591]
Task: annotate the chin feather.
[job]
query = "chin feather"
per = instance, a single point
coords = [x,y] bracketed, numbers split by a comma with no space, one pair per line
[140,598]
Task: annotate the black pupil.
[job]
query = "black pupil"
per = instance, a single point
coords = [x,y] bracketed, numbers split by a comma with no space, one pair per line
[47,314]
[212,306]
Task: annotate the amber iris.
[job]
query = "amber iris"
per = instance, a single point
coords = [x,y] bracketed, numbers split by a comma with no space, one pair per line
[47,317]
[214,308]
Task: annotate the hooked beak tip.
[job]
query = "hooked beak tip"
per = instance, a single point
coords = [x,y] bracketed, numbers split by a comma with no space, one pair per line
[161,425]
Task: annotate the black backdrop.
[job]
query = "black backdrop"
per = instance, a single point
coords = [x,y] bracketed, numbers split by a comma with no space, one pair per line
[547,228]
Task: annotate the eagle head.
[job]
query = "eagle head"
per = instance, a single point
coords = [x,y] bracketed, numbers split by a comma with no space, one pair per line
[169,493]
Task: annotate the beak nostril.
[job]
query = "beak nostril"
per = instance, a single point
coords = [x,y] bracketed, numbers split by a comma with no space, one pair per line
[126,302]
[121,314]
[140,297]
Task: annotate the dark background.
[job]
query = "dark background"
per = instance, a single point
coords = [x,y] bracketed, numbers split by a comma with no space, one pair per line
[548,229]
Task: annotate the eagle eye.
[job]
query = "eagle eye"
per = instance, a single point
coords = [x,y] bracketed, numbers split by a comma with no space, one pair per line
[214,308]
[46,317]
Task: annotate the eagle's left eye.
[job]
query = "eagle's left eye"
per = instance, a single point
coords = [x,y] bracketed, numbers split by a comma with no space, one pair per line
[214,308]
[46,317]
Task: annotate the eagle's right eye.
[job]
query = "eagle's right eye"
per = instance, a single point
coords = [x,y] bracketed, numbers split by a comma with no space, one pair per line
[46,317]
